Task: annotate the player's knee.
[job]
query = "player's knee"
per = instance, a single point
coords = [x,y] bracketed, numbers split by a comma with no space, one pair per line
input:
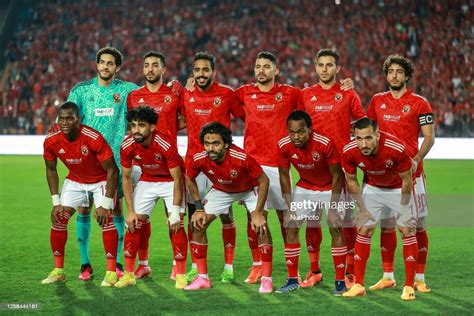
[143,217]
[292,235]
[367,231]
[420,224]
[226,219]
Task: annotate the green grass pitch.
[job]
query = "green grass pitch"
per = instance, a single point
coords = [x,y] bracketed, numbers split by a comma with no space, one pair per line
[26,259]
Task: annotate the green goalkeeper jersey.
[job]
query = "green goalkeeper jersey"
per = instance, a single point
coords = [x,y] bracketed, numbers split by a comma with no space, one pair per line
[104,108]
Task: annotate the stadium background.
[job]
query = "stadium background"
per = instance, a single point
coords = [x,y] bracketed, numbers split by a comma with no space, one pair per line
[48,46]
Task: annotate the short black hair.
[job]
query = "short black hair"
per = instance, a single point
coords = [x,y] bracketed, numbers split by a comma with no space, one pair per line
[216,128]
[327,52]
[154,53]
[364,123]
[299,115]
[405,63]
[70,106]
[111,51]
[268,55]
[143,114]
[206,56]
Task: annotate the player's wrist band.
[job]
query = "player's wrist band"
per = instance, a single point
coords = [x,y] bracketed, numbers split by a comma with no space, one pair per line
[55,199]
[404,207]
[175,209]
[107,202]
[199,205]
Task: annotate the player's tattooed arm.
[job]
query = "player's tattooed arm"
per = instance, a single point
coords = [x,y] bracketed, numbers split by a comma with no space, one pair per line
[132,218]
[53,183]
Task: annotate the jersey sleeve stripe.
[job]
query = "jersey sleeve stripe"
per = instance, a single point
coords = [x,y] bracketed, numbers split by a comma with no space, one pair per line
[349,146]
[284,140]
[323,138]
[90,134]
[199,155]
[394,147]
[51,135]
[282,144]
[388,141]
[127,143]
[162,143]
[238,154]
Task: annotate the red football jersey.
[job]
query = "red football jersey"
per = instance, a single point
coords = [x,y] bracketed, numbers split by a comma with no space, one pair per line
[382,169]
[311,162]
[82,156]
[237,173]
[202,107]
[265,119]
[154,160]
[402,117]
[166,104]
[332,111]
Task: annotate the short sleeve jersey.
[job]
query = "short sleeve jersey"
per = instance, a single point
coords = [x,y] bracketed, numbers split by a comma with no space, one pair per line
[402,117]
[382,169]
[312,162]
[82,157]
[237,173]
[154,160]
[265,119]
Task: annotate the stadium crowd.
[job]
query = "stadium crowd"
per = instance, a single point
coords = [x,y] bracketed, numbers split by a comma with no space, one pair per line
[55,43]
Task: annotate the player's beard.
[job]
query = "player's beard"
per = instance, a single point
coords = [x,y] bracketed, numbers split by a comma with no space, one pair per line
[153,80]
[205,85]
[395,87]
[215,156]
[140,139]
[264,80]
[106,77]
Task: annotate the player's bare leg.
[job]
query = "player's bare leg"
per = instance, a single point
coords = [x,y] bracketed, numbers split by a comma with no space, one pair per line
[388,245]
[228,238]
[199,249]
[265,244]
[410,253]
[58,239]
[83,232]
[422,239]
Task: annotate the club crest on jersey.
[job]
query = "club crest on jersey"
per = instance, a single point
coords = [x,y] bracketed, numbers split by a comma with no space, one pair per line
[338,97]
[233,173]
[389,163]
[84,150]
[117,98]
[217,101]
[315,155]
[158,157]
[278,96]
[167,99]
[406,108]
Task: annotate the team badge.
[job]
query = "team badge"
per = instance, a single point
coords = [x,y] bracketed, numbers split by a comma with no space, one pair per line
[167,99]
[217,101]
[406,108]
[389,163]
[117,98]
[84,150]
[158,157]
[233,173]
[278,96]
[315,155]
[338,97]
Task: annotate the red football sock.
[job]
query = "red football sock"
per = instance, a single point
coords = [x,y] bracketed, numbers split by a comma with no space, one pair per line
[145,233]
[281,219]
[422,239]
[58,239]
[266,252]
[292,255]
[339,260]
[190,234]
[131,242]
[350,235]
[179,241]
[314,237]
[110,240]
[228,237]
[200,255]
[388,244]
[361,255]
[253,243]
[410,252]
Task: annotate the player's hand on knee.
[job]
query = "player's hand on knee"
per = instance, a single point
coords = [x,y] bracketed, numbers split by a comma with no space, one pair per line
[199,220]
[57,214]
[174,221]
[102,216]
[131,221]
[259,223]
[347,84]
[290,219]
[364,217]
[334,220]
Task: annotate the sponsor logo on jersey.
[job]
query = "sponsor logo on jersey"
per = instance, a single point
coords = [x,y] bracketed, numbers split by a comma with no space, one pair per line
[221,181]
[338,97]
[376,172]
[158,156]
[389,163]
[306,166]
[72,161]
[314,98]
[117,98]
[391,118]
[254,96]
[383,106]
[295,156]
[141,100]
[315,155]
[233,173]
[361,165]
[323,108]
[406,108]
[62,151]
[279,96]
[152,166]
[104,112]
[265,107]
[84,150]
[202,112]
[217,101]
[167,99]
